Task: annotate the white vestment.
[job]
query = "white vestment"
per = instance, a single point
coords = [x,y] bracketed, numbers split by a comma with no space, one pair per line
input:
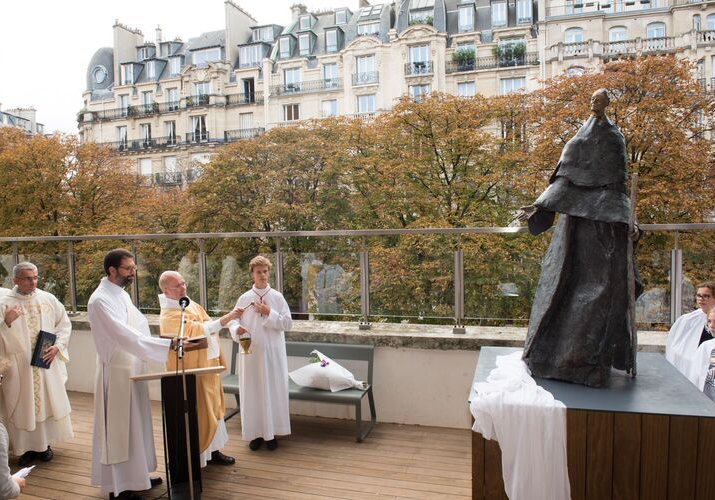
[263,374]
[698,368]
[530,426]
[35,403]
[123,440]
[682,342]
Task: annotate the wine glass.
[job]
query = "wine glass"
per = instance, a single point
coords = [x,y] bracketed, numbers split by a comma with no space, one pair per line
[244,338]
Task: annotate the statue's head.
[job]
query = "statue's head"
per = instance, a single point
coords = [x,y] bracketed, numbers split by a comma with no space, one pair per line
[599,102]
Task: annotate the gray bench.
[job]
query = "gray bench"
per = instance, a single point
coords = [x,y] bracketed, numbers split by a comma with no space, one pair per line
[338,352]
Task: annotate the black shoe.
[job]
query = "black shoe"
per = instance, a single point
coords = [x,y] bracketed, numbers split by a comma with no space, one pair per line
[155,481]
[272,444]
[125,495]
[26,458]
[46,455]
[255,444]
[218,458]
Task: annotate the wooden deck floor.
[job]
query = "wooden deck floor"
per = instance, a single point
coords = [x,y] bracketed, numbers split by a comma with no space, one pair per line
[320,460]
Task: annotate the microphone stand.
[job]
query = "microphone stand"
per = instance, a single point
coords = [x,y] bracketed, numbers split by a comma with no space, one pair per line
[180,355]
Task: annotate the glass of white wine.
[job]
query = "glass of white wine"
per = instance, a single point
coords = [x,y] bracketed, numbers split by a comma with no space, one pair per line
[244,339]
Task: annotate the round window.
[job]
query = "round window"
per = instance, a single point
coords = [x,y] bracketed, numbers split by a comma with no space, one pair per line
[99,74]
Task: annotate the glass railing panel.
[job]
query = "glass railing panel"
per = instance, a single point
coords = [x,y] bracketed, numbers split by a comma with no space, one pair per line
[51,260]
[6,265]
[698,263]
[411,278]
[653,258]
[89,266]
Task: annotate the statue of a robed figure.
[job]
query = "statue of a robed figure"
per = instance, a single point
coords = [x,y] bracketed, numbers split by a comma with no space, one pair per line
[582,320]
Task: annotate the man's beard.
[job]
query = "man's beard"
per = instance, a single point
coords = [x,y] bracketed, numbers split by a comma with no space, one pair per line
[123,281]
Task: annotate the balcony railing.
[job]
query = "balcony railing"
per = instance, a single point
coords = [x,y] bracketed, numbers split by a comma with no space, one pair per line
[631,47]
[586,8]
[198,137]
[200,100]
[418,68]
[660,44]
[705,37]
[491,62]
[623,47]
[366,78]
[244,133]
[243,99]
[168,178]
[501,292]
[309,86]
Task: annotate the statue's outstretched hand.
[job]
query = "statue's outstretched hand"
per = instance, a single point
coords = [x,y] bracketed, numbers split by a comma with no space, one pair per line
[525,212]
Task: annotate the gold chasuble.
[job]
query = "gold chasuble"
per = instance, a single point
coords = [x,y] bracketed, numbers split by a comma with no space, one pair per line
[209,392]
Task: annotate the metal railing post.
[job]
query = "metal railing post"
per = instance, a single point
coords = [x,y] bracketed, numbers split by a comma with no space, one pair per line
[676,281]
[72,276]
[15,254]
[278,261]
[135,283]
[459,292]
[203,288]
[364,288]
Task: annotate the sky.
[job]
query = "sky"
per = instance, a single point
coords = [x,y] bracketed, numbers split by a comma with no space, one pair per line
[46,45]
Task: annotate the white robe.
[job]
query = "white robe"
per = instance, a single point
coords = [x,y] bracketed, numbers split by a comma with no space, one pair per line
[698,368]
[682,342]
[263,374]
[34,424]
[123,440]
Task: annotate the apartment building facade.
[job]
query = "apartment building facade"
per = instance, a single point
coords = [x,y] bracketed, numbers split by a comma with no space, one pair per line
[167,105]
[23,119]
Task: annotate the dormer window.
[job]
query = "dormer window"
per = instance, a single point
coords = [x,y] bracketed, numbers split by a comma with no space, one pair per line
[421,11]
[369,28]
[373,11]
[146,52]
[305,22]
[523,11]
[285,47]
[304,44]
[341,16]
[151,70]
[175,66]
[331,40]
[466,18]
[498,14]
[203,56]
[264,34]
[127,74]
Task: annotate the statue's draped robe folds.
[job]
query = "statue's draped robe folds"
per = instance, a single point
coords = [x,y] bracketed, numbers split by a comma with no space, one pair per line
[122,439]
[210,406]
[35,403]
[579,324]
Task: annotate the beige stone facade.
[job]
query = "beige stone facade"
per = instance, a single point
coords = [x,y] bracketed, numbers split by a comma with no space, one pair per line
[167,105]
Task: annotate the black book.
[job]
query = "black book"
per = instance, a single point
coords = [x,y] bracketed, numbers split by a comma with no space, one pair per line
[45,340]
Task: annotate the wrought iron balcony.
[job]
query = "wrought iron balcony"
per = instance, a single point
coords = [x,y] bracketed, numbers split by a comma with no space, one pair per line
[243,99]
[197,137]
[244,133]
[366,78]
[168,178]
[195,101]
[491,62]
[309,86]
[418,68]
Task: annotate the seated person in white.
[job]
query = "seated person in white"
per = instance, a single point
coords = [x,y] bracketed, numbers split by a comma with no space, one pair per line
[689,331]
[703,368]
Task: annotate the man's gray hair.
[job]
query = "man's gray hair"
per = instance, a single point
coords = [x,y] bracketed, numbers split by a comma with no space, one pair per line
[23,266]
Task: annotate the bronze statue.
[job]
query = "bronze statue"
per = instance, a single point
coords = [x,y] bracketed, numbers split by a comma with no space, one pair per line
[579,325]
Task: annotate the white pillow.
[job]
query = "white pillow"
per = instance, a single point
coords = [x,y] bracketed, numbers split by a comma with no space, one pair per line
[325,374]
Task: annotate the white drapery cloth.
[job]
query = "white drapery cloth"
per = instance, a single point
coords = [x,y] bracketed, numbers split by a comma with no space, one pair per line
[682,344]
[530,426]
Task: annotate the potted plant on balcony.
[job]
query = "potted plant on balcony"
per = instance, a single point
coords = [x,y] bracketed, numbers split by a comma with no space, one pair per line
[519,52]
[464,58]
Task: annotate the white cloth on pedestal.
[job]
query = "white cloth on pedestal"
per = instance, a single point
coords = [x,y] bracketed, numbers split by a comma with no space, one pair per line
[530,426]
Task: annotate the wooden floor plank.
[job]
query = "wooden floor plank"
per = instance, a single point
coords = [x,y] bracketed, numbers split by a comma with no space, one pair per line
[320,460]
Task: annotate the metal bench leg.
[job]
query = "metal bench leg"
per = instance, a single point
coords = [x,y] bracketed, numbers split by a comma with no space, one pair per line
[235,410]
[358,420]
[362,433]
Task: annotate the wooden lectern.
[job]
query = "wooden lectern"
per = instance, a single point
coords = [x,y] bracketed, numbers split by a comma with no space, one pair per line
[175,432]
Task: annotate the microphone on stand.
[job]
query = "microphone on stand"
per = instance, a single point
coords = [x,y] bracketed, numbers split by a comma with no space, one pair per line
[183,303]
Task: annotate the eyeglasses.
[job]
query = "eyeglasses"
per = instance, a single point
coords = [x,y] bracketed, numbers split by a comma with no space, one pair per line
[176,287]
[128,268]
[29,278]
[703,296]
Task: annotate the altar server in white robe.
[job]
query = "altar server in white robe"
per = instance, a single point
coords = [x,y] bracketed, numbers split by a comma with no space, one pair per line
[123,441]
[263,374]
[688,332]
[35,403]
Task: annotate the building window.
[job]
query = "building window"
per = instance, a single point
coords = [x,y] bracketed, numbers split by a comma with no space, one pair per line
[466,19]
[291,112]
[371,11]
[421,11]
[696,22]
[304,44]
[147,101]
[170,166]
[204,56]
[330,107]
[655,30]
[198,129]
[145,166]
[172,99]
[245,121]
[202,88]
[498,14]
[250,55]
[175,66]
[366,103]
[264,34]
[122,136]
[292,79]
[331,41]
[524,11]
[710,22]
[124,104]
[369,29]
[151,69]
[573,35]
[127,74]
[419,54]
[466,89]
[617,34]
[509,85]
[304,22]
[575,71]
[285,47]
[341,16]
[365,69]
[145,134]
[330,75]
[170,132]
[417,92]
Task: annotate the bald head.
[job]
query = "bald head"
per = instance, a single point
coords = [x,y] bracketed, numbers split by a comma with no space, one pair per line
[172,284]
[599,102]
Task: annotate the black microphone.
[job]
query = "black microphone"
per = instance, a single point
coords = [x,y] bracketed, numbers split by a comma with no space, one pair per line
[184,302]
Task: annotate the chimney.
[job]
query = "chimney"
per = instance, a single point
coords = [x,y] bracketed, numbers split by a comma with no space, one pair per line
[363,3]
[298,9]
[158,34]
